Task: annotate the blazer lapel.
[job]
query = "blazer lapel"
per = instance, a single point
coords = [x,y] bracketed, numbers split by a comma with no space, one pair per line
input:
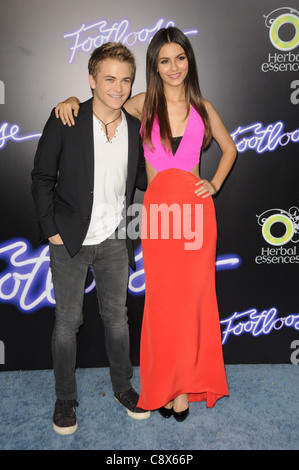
[133,154]
[85,123]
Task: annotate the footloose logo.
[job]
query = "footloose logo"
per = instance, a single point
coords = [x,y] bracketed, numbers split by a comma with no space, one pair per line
[283,22]
[136,279]
[257,323]
[88,37]
[255,137]
[27,281]
[263,139]
[11,132]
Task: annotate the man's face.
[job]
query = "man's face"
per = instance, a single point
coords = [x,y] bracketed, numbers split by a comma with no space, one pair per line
[112,85]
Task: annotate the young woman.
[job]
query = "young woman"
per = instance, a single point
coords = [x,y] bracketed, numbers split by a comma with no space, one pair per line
[181,356]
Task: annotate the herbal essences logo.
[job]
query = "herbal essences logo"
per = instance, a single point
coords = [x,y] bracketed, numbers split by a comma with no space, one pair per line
[283,24]
[280,228]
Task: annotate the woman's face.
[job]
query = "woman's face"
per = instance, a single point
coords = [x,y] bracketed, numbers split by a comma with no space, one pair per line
[172,64]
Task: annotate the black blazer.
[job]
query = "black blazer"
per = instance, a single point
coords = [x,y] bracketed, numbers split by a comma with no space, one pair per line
[63,177]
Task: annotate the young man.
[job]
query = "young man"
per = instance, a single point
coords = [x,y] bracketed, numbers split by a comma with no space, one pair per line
[83,178]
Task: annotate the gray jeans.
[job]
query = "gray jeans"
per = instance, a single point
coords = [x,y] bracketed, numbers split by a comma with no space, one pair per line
[109,263]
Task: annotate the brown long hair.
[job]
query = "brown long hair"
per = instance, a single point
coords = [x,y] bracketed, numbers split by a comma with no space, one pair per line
[155,102]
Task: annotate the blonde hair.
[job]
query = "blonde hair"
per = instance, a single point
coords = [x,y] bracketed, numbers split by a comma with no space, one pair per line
[110,50]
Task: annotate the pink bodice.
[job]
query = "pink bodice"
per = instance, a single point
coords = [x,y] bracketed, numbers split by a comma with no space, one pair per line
[188,153]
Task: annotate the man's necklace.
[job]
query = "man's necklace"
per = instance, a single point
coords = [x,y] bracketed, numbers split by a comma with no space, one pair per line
[106,125]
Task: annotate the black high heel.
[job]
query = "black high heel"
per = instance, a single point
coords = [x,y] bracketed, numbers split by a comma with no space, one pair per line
[165,412]
[180,416]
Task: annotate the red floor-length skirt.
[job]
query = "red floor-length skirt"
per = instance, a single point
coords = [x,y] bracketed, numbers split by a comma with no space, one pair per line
[181,349]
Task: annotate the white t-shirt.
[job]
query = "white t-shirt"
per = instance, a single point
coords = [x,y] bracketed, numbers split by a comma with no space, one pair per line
[110,176]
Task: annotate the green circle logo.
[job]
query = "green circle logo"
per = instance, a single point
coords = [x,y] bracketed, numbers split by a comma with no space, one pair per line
[289,229]
[274,32]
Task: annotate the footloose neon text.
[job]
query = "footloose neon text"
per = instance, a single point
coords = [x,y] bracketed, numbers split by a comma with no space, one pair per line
[27,281]
[263,139]
[254,137]
[27,284]
[257,323]
[11,132]
[88,37]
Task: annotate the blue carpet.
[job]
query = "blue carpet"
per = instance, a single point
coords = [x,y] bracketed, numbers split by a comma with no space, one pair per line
[261,413]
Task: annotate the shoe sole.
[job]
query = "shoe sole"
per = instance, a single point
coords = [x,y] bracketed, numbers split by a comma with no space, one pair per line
[133,415]
[65,431]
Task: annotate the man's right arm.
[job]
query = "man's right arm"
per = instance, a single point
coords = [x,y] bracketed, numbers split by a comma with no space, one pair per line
[44,175]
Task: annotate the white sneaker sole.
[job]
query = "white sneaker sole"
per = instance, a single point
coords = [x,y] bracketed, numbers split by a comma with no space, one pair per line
[133,415]
[65,431]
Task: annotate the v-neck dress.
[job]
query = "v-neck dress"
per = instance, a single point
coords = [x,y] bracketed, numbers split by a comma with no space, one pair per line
[181,348]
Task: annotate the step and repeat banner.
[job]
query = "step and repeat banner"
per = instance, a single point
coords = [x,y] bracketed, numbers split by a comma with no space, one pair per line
[248,61]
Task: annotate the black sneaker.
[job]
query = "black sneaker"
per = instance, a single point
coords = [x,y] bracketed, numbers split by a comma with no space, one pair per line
[129,400]
[64,418]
